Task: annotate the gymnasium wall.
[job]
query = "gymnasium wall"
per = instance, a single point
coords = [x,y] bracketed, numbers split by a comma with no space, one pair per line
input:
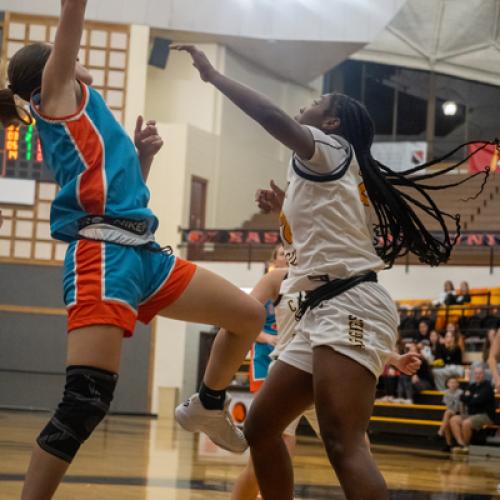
[249,156]
[33,344]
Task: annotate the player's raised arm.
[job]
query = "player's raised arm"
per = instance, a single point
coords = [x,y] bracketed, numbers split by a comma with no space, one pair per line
[60,94]
[281,126]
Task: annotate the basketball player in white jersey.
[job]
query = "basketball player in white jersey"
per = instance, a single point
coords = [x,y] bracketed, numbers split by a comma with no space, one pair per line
[285,310]
[338,197]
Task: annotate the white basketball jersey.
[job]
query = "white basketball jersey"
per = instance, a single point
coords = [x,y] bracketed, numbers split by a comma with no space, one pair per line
[326,222]
[285,321]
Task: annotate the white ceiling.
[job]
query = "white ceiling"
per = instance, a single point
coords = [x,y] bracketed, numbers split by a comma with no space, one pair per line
[296,39]
[455,37]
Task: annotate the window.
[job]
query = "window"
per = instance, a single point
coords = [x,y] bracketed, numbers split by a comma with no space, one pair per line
[399,99]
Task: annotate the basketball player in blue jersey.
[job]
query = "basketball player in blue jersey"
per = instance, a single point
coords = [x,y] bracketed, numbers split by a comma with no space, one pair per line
[262,348]
[265,343]
[338,199]
[114,271]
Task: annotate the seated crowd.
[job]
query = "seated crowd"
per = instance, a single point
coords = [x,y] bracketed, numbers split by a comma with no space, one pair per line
[444,369]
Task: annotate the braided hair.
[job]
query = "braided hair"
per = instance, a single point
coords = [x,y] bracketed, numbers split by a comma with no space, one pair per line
[395,196]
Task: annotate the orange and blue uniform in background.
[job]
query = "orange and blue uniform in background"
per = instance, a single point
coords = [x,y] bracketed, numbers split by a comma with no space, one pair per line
[97,168]
[260,359]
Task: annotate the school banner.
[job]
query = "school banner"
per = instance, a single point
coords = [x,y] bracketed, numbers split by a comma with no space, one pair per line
[488,157]
[245,237]
[400,156]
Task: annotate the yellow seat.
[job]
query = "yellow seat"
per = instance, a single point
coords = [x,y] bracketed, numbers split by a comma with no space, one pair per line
[481,299]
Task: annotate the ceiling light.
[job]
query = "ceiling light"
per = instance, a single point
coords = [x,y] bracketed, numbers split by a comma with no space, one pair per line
[450,108]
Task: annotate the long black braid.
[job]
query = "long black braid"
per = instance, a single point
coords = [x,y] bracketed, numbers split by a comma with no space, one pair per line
[399,228]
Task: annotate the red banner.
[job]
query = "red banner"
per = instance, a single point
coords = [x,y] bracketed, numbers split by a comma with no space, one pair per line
[245,237]
[488,157]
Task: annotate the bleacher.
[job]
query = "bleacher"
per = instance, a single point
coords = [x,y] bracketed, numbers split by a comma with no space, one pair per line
[476,214]
[418,423]
[473,319]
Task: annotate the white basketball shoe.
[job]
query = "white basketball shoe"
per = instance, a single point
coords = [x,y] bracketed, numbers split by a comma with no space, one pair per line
[218,425]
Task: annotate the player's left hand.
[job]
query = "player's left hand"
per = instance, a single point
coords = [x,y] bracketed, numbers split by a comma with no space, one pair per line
[408,363]
[200,60]
[146,138]
[270,200]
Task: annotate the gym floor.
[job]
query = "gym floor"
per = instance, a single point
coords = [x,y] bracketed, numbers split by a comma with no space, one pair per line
[135,458]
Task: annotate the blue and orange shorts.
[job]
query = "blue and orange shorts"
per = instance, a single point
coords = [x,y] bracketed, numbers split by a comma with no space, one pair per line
[110,284]
[260,361]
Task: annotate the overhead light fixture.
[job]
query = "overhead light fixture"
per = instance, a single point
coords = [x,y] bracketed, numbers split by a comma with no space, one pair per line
[450,108]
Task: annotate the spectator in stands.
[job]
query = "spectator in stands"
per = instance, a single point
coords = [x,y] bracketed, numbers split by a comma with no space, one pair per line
[454,406]
[492,318]
[429,352]
[463,296]
[424,330]
[448,361]
[389,383]
[447,296]
[479,399]
[408,385]
[459,338]
[494,360]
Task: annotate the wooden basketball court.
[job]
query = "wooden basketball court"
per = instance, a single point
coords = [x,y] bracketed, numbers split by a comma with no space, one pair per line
[135,458]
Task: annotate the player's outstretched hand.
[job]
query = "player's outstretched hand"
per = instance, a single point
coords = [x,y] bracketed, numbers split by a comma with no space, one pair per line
[270,200]
[146,138]
[200,60]
[408,363]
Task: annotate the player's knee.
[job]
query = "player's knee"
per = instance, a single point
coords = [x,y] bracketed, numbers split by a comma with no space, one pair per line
[253,318]
[259,430]
[251,430]
[341,445]
[87,396]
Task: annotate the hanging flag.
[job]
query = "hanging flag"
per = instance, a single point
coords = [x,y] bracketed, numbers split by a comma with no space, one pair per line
[487,157]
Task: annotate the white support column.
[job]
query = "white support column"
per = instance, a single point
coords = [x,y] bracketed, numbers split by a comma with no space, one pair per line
[136,75]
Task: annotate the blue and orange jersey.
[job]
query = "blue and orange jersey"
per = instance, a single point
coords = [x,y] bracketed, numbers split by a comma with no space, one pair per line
[260,354]
[270,323]
[95,163]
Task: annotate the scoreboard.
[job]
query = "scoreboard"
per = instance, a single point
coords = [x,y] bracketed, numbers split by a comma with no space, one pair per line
[21,154]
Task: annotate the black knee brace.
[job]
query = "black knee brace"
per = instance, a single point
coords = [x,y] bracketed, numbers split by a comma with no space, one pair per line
[87,396]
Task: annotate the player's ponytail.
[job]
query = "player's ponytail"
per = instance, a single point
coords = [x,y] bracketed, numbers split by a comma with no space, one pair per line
[397,197]
[8,108]
[25,76]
